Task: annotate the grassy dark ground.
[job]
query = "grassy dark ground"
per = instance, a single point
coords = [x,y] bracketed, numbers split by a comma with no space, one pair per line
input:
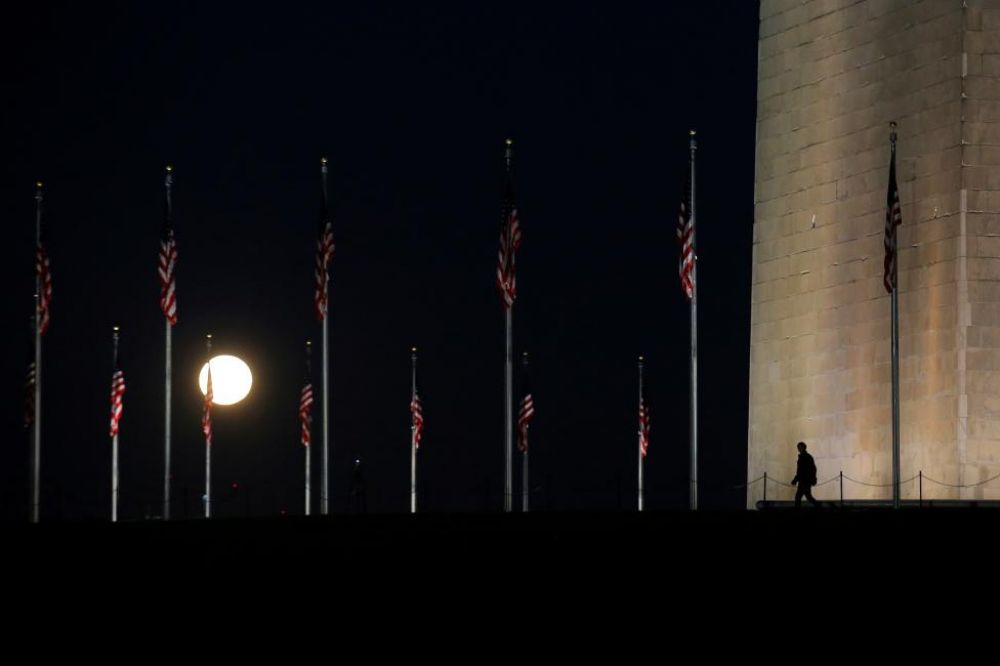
[791,575]
[725,546]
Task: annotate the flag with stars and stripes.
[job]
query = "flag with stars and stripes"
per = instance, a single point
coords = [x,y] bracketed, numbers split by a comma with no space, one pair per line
[643,427]
[206,417]
[117,397]
[685,239]
[524,416]
[29,396]
[893,218]
[417,412]
[510,241]
[44,274]
[324,253]
[168,264]
[305,412]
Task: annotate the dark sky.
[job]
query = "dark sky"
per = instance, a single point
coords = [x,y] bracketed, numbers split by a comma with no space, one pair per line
[411,104]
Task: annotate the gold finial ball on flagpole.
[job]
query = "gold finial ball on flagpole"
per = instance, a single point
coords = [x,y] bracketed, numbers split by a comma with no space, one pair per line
[322,161]
[509,142]
[38,184]
[692,132]
[308,343]
[169,168]
[115,329]
[413,349]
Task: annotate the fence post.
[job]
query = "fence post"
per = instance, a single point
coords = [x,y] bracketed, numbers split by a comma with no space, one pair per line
[920,475]
[765,490]
[841,489]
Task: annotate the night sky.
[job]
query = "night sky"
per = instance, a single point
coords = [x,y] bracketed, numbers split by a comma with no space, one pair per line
[411,104]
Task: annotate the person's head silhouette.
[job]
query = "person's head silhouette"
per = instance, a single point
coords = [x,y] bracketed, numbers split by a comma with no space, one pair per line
[802,447]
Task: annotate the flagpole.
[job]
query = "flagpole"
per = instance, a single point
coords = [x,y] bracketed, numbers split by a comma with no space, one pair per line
[509,387]
[413,431]
[641,407]
[525,488]
[114,438]
[36,453]
[309,445]
[208,445]
[895,400]
[168,372]
[508,414]
[694,340]
[895,345]
[524,483]
[325,499]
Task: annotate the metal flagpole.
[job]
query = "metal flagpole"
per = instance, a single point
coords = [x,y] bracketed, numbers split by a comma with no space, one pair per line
[114,438]
[168,372]
[325,499]
[508,378]
[36,453]
[694,340]
[895,399]
[309,445]
[208,445]
[508,414]
[525,488]
[641,408]
[895,342]
[413,431]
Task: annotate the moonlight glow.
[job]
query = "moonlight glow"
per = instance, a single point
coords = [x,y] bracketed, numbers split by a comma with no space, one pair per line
[231,379]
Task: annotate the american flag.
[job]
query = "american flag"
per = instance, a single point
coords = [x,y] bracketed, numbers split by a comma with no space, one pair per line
[305,411]
[206,417]
[29,396]
[510,240]
[893,218]
[324,253]
[168,263]
[117,395]
[417,411]
[643,427]
[685,238]
[44,274]
[524,416]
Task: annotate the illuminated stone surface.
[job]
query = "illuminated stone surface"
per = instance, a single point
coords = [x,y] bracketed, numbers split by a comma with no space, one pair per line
[832,74]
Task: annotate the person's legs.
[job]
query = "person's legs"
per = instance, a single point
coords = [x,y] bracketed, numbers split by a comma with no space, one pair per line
[798,494]
[809,496]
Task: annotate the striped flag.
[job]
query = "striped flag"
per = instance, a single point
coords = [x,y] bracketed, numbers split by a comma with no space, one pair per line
[44,274]
[305,411]
[168,264]
[685,239]
[117,395]
[417,411]
[206,417]
[893,218]
[510,240]
[29,396]
[324,253]
[524,416]
[643,427]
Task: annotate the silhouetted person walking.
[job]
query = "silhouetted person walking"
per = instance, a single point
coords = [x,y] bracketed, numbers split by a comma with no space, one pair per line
[805,477]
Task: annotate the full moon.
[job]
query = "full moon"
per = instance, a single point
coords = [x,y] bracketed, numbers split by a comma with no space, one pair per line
[231,379]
